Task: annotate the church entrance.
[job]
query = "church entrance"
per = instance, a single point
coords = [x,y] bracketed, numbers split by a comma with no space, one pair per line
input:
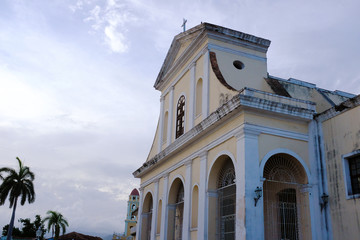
[286,199]
[226,199]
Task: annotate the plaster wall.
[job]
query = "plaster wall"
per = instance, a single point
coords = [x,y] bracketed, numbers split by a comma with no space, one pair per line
[195,173]
[153,149]
[252,75]
[184,45]
[201,143]
[269,142]
[341,137]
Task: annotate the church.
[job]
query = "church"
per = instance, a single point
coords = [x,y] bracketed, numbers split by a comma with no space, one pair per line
[241,154]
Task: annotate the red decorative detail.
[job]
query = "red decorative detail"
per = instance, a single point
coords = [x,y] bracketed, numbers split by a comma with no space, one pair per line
[134,192]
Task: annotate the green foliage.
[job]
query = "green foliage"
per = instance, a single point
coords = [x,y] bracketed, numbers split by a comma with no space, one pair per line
[15,233]
[28,228]
[55,222]
[16,185]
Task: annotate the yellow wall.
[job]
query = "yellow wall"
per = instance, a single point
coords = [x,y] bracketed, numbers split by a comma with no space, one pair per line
[342,136]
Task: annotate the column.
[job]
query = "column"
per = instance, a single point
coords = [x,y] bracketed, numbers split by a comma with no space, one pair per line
[170,116]
[192,95]
[205,90]
[202,211]
[155,211]
[139,220]
[163,226]
[161,123]
[249,218]
[187,201]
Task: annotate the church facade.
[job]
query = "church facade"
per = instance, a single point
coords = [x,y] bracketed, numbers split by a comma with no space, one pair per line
[241,154]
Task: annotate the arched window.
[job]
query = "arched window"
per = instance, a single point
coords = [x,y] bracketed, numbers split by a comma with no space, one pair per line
[179,213]
[286,201]
[198,104]
[176,210]
[146,217]
[180,116]
[166,117]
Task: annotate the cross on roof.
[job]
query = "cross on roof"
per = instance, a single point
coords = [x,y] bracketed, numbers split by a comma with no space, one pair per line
[184,24]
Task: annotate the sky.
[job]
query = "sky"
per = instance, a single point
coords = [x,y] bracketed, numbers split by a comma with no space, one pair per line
[77,102]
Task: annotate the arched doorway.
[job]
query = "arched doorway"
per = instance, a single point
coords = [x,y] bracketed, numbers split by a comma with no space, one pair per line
[286,199]
[176,210]
[222,199]
[146,216]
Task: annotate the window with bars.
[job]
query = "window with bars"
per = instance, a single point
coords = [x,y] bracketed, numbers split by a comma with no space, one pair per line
[354,165]
[226,200]
[180,116]
[351,164]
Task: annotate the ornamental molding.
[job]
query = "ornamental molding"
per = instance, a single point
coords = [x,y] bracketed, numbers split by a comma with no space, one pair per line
[221,115]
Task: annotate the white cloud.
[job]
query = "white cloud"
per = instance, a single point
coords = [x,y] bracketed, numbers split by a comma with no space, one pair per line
[112,21]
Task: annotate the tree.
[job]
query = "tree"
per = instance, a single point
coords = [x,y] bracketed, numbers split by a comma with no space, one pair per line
[16,231]
[39,223]
[16,185]
[55,221]
[28,228]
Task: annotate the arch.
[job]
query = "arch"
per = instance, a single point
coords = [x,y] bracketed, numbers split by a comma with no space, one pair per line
[285,196]
[285,151]
[180,116]
[216,158]
[165,128]
[175,209]
[198,97]
[146,216]
[179,176]
[222,198]
[194,206]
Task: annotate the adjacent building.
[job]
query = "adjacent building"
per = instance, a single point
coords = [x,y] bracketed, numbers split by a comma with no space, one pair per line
[241,154]
[131,217]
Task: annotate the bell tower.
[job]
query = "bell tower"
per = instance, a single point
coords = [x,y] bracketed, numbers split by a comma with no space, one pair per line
[131,217]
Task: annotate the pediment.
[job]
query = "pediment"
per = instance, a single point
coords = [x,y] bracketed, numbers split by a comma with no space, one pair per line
[179,46]
[185,43]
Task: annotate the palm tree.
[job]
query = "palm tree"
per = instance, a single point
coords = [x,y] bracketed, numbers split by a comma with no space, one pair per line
[55,221]
[16,185]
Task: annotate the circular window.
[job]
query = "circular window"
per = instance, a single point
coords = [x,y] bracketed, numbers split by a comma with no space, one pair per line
[239,65]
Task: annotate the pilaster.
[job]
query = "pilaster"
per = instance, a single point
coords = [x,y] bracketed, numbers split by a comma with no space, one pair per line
[187,201]
[170,116]
[205,90]
[250,218]
[202,210]
[192,96]
[161,123]
[155,210]
[163,227]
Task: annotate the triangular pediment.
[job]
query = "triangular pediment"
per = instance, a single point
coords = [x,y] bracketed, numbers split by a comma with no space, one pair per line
[184,44]
[179,45]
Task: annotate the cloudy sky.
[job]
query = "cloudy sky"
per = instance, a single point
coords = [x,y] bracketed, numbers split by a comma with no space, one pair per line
[76,98]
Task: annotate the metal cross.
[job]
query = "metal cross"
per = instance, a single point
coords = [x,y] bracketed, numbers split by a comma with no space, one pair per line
[184,24]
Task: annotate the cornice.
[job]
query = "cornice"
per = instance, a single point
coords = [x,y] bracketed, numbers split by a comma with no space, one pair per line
[338,109]
[237,103]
